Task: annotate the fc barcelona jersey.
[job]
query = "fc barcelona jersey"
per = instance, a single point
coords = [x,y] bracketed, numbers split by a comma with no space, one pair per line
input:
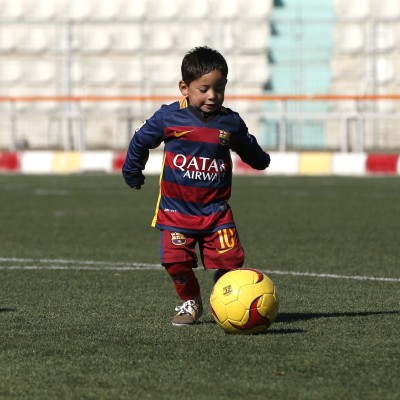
[196,176]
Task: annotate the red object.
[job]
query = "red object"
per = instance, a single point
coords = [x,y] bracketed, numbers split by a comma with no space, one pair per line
[118,161]
[220,250]
[184,279]
[9,161]
[255,318]
[382,163]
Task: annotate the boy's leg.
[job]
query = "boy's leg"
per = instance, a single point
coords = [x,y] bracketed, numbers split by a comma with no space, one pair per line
[222,251]
[178,256]
[185,281]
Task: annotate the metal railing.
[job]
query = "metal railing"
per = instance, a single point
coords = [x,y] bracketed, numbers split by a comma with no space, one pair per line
[360,129]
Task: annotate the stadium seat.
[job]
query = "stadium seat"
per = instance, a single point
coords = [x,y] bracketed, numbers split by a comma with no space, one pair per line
[127,39]
[352,9]
[384,71]
[12,9]
[193,37]
[101,72]
[348,38]
[164,71]
[130,72]
[95,40]
[347,67]
[76,73]
[8,40]
[77,10]
[225,41]
[252,37]
[10,72]
[63,44]
[132,9]
[194,9]
[39,72]
[162,9]
[224,9]
[105,10]
[33,40]
[385,40]
[386,8]
[160,37]
[250,71]
[256,8]
[42,10]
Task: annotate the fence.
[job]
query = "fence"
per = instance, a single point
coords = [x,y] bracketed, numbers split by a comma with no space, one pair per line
[362,127]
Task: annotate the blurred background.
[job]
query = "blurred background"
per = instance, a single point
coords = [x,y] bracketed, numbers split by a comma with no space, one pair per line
[306,75]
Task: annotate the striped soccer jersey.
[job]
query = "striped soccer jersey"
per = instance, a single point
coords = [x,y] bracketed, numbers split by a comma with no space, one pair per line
[196,176]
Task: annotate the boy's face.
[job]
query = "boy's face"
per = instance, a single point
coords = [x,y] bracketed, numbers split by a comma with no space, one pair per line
[207,92]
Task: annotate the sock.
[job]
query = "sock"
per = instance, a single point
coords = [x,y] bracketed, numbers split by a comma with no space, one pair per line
[186,284]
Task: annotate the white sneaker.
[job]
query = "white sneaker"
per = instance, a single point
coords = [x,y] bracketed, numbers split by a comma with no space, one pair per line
[188,313]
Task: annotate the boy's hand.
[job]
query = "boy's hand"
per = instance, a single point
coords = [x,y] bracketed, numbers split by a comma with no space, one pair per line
[134,179]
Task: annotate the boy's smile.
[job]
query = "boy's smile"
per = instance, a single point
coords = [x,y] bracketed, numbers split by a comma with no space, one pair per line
[206,93]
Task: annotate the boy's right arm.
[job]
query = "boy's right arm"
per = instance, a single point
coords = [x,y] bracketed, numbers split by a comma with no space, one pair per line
[147,137]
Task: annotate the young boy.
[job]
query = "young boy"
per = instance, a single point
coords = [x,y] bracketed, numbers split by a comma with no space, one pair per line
[195,184]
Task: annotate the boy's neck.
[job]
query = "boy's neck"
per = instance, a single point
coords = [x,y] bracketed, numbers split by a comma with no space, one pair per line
[203,115]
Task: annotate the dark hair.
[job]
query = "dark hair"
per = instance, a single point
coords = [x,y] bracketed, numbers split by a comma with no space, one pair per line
[200,61]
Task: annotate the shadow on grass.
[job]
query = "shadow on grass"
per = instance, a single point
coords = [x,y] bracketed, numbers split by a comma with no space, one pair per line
[271,331]
[295,317]
[286,318]
[7,310]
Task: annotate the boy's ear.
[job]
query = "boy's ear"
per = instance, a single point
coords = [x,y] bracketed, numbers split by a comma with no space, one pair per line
[183,88]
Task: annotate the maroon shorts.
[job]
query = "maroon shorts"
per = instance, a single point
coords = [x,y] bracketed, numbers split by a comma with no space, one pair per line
[218,250]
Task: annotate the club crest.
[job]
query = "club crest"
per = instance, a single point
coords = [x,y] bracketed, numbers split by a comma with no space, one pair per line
[223,138]
[178,239]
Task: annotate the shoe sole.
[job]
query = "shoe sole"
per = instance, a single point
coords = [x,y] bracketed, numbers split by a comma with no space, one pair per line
[188,323]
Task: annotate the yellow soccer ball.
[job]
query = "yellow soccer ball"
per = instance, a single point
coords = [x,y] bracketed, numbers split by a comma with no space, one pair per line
[244,301]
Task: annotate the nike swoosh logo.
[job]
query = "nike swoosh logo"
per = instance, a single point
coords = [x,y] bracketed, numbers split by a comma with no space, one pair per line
[179,134]
[224,251]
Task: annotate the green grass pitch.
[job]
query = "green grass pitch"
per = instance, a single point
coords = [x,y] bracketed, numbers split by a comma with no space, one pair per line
[85,313]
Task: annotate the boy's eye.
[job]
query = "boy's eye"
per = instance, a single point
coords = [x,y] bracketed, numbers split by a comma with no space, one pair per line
[219,89]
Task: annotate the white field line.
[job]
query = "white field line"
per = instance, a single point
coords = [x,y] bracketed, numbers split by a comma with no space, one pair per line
[333,276]
[61,264]
[78,268]
[81,265]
